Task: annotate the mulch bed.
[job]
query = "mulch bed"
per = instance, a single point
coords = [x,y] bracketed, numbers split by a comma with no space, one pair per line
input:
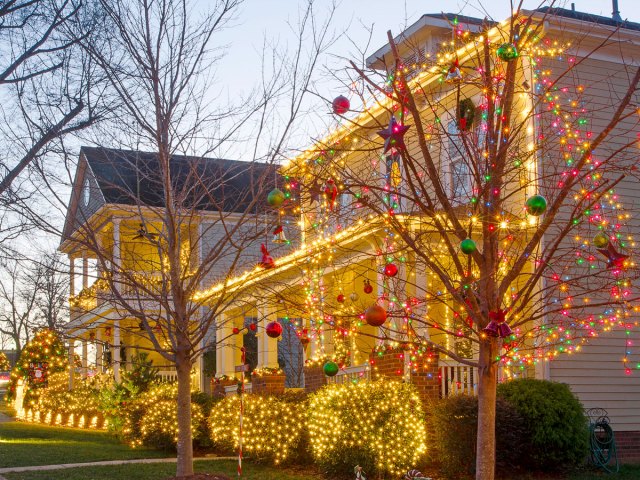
[202,476]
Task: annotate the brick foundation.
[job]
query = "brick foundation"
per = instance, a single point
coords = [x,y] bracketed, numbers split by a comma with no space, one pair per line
[217,387]
[390,364]
[628,446]
[314,378]
[268,384]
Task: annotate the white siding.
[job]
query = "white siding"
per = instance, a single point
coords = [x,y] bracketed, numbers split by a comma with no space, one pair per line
[597,376]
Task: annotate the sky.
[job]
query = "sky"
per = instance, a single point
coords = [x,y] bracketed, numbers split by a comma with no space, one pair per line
[268,18]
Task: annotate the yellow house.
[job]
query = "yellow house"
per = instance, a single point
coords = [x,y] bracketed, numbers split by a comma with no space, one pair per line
[349,259]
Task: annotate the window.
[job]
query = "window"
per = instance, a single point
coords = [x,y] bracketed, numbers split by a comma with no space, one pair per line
[458,174]
[86,192]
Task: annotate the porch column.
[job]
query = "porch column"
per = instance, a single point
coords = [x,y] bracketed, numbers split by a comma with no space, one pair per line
[225,346]
[420,311]
[85,359]
[267,346]
[85,271]
[116,260]
[99,350]
[72,275]
[72,345]
[115,351]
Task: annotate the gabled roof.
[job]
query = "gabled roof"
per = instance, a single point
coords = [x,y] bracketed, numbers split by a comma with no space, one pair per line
[127,177]
[132,178]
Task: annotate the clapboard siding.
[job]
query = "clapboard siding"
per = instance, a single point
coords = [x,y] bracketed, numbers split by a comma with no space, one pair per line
[597,376]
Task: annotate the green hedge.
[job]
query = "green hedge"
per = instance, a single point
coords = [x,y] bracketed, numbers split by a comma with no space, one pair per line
[452,427]
[557,429]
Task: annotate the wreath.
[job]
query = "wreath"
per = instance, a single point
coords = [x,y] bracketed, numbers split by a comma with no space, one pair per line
[466,114]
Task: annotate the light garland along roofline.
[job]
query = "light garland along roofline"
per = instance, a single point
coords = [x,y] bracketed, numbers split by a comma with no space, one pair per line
[463,54]
[355,233]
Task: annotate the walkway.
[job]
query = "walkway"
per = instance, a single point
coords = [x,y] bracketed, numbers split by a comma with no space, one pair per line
[100,464]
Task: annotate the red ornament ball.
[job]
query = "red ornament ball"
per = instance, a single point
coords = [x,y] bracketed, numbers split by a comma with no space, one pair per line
[340,105]
[236,330]
[375,315]
[253,327]
[340,298]
[274,329]
[390,270]
[367,287]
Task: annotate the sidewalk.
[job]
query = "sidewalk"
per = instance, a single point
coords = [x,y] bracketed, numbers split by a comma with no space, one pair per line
[100,464]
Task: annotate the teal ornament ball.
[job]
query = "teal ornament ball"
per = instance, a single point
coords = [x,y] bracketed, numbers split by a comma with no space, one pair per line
[507,52]
[330,369]
[276,197]
[468,246]
[536,205]
[601,240]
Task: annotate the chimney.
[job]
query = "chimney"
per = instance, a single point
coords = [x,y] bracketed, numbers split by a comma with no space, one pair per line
[616,12]
[573,7]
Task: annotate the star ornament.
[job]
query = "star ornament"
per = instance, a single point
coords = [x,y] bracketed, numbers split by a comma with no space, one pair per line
[394,135]
[615,259]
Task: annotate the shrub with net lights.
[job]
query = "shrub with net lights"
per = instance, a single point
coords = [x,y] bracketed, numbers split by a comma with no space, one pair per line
[377,425]
[273,426]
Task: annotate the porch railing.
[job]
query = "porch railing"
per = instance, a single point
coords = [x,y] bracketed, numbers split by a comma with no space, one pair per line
[457,379]
[354,374]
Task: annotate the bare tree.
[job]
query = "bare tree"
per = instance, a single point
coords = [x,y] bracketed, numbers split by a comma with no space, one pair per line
[50,92]
[197,218]
[49,279]
[18,304]
[483,198]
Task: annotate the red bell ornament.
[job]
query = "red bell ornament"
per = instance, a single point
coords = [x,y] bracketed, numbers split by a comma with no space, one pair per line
[274,329]
[340,105]
[367,287]
[375,315]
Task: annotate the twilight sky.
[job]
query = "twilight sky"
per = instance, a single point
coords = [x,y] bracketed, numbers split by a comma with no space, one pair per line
[260,18]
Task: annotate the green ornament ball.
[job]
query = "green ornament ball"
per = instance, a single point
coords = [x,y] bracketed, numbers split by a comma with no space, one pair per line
[468,246]
[536,205]
[330,369]
[275,198]
[507,52]
[601,240]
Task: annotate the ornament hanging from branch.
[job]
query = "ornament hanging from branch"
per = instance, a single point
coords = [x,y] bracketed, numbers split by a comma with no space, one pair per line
[468,246]
[394,135]
[276,198]
[507,52]
[498,326]
[601,240]
[390,270]
[453,74]
[536,205]
[375,316]
[273,329]
[340,105]
[331,193]
[330,369]
[367,287]
[267,260]
[615,259]
[278,235]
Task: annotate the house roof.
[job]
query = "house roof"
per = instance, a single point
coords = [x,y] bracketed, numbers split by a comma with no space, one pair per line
[588,17]
[129,177]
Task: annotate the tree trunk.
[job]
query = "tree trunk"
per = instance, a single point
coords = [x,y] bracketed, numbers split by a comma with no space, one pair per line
[185,441]
[487,383]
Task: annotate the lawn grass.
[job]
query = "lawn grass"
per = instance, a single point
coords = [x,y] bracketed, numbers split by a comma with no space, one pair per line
[161,471]
[26,444]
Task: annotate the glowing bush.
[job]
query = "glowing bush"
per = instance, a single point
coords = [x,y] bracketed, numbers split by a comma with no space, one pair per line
[377,425]
[273,426]
[56,404]
[152,418]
